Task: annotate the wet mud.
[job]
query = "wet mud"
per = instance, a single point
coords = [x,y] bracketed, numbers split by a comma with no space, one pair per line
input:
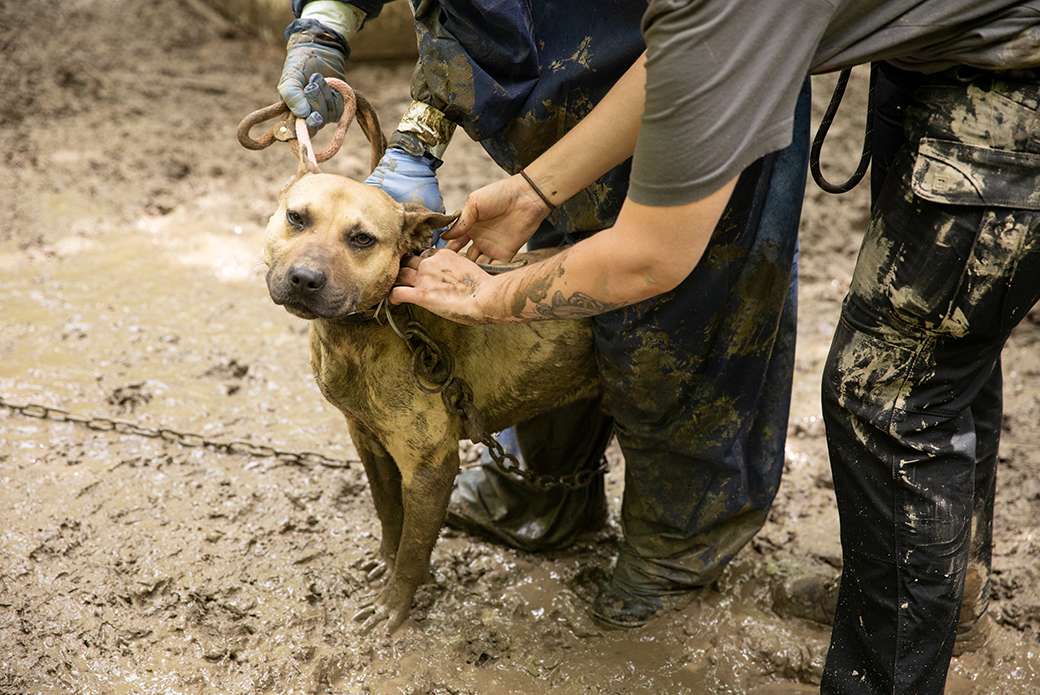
[131,289]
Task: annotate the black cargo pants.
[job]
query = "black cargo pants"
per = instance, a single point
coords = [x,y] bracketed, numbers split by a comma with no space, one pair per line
[912,386]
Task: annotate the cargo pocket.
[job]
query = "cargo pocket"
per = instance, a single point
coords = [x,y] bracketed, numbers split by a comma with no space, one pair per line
[912,259]
[958,174]
[1004,186]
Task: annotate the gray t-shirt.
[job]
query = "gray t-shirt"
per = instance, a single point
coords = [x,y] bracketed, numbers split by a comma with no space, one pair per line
[723,76]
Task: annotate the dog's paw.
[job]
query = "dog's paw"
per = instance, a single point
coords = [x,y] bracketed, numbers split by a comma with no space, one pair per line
[369,616]
[374,569]
[372,614]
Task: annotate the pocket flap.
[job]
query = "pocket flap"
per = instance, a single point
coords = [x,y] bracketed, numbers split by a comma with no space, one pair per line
[960,174]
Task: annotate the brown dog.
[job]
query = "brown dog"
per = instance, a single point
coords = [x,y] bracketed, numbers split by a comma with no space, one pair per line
[333,250]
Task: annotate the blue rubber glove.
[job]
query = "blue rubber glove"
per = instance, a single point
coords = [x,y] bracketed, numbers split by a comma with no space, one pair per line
[407,173]
[313,53]
[408,178]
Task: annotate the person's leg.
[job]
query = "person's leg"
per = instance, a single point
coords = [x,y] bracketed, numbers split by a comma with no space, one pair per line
[904,481]
[699,382]
[911,386]
[490,502]
[487,501]
[815,596]
[516,116]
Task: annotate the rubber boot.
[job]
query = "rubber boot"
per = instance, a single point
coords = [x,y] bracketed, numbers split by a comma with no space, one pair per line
[493,504]
[973,626]
[616,607]
[810,597]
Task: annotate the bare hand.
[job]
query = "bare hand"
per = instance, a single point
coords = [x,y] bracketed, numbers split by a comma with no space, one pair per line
[443,282]
[498,218]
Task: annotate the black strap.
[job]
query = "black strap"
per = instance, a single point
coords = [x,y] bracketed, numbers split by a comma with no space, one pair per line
[825,124]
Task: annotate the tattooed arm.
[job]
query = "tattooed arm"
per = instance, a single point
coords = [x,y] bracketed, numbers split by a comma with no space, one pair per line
[650,250]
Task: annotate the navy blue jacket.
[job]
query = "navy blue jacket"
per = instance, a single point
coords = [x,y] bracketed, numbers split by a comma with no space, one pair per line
[517,75]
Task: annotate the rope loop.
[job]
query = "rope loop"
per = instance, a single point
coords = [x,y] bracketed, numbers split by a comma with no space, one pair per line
[290,129]
[825,125]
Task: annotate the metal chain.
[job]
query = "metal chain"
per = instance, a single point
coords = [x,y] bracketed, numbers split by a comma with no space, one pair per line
[185,439]
[433,370]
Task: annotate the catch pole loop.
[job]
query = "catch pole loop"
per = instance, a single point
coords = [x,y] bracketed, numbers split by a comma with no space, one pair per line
[290,129]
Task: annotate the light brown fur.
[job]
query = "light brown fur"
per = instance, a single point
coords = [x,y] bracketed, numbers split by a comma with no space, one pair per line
[334,248]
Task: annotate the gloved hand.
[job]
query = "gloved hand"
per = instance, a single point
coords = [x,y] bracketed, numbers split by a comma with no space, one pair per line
[314,52]
[408,177]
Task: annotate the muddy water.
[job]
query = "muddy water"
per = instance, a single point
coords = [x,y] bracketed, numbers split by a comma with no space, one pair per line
[131,288]
[155,321]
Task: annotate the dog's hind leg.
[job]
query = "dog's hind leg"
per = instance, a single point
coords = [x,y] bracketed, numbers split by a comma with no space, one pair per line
[425,497]
[384,481]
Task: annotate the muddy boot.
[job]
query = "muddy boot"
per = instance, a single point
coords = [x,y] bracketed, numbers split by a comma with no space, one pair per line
[490,503]
[643,589]
[815,597]
[972,637]
[974,624]
[810,597]
[615,607]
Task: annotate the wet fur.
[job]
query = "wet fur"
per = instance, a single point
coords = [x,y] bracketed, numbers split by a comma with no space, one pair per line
[354,236]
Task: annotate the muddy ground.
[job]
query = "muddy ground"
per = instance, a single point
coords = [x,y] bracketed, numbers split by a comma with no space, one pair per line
[131,288]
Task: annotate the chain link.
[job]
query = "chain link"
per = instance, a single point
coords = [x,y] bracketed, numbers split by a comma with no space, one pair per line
[433,365]
[185,439]
[433,369]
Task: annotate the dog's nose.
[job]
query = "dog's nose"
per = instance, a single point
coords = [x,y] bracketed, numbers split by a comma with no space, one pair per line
[305,281]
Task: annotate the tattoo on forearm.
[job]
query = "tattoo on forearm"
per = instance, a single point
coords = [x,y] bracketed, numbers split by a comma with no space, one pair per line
[536,291]
[578,305]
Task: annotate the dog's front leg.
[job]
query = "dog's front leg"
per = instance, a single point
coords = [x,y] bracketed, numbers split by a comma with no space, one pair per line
[425,497]
[384,481]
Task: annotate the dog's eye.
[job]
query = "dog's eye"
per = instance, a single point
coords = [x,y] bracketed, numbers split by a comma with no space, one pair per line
[294,218]
[362,240]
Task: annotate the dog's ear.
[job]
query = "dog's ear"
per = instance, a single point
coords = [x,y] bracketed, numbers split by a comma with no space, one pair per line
[300,173]
[419,225]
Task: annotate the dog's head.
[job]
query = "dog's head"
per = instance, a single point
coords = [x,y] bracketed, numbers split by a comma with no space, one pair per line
[334,246]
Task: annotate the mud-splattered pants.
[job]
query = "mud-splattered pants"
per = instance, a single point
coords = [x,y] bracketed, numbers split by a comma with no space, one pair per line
[912,386]
[698,380]
[698,383]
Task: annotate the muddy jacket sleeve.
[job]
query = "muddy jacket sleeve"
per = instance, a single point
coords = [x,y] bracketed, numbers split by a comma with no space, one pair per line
[518,76]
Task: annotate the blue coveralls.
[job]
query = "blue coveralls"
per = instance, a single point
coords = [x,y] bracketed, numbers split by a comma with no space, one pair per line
[697,381]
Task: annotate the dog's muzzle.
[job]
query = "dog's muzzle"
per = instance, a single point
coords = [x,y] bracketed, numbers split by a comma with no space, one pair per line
[305,291]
